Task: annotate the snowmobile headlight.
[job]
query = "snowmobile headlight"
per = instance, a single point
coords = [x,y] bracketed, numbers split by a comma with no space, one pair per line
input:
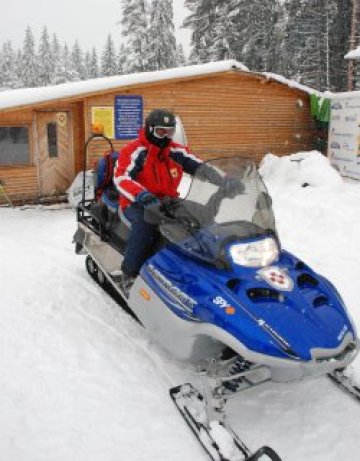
[260,253]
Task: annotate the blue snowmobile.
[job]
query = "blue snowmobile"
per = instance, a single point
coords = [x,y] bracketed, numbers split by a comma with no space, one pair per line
[220,292]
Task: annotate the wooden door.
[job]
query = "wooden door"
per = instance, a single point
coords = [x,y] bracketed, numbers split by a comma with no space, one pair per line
[55,152]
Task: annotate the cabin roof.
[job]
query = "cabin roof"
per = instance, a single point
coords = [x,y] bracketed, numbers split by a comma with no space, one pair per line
[17,98]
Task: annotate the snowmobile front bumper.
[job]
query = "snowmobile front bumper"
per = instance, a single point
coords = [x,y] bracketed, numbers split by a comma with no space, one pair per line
[323,361]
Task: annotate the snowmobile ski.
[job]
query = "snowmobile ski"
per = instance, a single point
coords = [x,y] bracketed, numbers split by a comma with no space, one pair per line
[217,438]
[345,383]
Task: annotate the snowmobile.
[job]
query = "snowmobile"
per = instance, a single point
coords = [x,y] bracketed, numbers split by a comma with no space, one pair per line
[220,292]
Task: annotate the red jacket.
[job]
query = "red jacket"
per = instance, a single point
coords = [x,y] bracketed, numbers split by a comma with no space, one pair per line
[144,166]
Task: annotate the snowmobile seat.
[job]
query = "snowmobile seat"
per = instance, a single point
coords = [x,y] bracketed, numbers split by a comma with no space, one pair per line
[110,198]
[100,212]
[109,224]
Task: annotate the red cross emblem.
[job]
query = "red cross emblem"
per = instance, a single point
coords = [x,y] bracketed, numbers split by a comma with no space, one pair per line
[277,278]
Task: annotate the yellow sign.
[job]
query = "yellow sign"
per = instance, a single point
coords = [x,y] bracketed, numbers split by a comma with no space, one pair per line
[62,119]
[105,116]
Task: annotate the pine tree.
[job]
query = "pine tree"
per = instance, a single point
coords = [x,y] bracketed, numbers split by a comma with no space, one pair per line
[45,60]
[202,21]
[235,29]
[308,41]
[353,71]
[161,50]
[1,75]
[56,53]
[8,71]
[65,70]
[180,56]
[122,59]
[18,67]
[94,66]
[109,59]
[134,24]
[77,59]
[228,37]
[28,71]
[278,55]
[87,64]
[260,35]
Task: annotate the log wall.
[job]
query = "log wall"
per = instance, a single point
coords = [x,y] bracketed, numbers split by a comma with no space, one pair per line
[20,181]
[223,114]
[226,114]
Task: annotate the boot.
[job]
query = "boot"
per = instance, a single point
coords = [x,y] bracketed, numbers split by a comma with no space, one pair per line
[125,283]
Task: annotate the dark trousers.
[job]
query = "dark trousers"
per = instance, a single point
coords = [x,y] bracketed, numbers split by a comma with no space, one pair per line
[140,241]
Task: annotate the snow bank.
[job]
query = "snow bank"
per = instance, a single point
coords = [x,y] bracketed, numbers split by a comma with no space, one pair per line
[300,170]
[82,381]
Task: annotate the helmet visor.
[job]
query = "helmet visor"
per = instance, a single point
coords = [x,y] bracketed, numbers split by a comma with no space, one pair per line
[162,132]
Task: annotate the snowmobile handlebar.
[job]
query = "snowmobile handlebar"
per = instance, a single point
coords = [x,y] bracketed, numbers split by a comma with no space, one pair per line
[163,212]
[173,209]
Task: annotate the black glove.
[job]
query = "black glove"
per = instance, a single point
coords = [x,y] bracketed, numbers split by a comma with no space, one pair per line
[232,187]
[146,199]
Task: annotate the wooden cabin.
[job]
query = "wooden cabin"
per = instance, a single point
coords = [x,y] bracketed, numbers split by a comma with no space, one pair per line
[225,109]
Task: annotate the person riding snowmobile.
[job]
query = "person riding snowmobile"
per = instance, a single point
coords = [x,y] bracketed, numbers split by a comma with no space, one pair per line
[149,169]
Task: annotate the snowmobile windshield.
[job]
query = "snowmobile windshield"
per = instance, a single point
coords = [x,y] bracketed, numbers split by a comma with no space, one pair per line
[227,202]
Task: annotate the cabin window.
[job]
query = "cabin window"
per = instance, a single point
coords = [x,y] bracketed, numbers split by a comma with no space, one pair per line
[52,139]
[14,145]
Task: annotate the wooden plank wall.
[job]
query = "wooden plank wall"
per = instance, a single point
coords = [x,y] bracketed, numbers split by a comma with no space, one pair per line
[224,114]
[20,181]
[227,114]
[153,95]
[242,113]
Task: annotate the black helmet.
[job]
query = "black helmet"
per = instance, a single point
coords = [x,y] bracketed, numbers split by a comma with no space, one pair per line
[160,127]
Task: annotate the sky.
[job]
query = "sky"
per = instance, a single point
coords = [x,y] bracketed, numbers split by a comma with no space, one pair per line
[89,21]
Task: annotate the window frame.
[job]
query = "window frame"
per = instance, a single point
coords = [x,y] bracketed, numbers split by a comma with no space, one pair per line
[53,123]
[29,127]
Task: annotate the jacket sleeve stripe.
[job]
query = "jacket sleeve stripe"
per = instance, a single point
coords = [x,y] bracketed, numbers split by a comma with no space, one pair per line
[125,180]
[136,163]
[189,162]
[185,153]
[125,192]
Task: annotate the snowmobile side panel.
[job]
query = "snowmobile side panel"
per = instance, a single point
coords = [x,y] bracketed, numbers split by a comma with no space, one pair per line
[187,340]
[193,341]
[106,256]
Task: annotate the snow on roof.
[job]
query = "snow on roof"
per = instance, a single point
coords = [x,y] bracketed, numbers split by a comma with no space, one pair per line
[343,95]
[27,96]
[291,83]
[353,54]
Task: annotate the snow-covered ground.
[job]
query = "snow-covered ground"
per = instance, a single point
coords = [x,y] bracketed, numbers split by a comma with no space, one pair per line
[80,380]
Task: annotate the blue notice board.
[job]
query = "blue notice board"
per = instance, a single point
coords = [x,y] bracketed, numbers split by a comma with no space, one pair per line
[128,116]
